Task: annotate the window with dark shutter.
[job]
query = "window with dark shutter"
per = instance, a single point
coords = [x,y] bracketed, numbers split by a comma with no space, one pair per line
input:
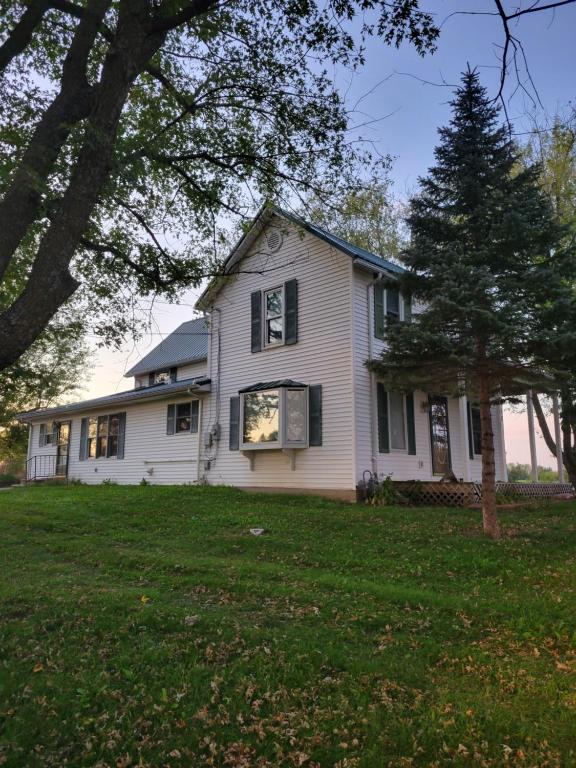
[291,312]
[392,305]
[256,321]
[315,415]
[383,425]
[474,431]
[83,439]
[234,435]
[171,420]
[410,424]
[379,311]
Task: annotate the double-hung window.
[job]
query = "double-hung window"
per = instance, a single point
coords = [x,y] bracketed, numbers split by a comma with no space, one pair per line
[390,307]
[275,418]
[274,316]
[102,437]
[182,418]
[107,433]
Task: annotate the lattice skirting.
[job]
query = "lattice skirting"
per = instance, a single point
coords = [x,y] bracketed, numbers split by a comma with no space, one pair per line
[437,494]
[534,490]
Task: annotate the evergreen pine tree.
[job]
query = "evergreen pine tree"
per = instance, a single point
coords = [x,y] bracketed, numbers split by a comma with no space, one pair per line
[481,271]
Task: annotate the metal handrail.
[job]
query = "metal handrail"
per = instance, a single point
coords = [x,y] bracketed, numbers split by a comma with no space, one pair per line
[41,467]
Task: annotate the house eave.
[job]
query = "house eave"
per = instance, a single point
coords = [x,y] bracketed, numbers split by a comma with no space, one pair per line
[200,386]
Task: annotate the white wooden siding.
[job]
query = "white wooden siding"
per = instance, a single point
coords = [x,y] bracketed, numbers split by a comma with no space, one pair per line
[321,356]
[191,370]
[172,458]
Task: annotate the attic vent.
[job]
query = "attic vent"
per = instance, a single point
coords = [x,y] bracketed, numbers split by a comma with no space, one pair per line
[273,240]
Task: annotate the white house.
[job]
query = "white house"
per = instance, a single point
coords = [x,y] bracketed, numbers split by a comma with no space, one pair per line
[269,388]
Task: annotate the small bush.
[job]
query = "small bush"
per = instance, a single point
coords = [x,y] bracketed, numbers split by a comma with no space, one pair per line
[7,479]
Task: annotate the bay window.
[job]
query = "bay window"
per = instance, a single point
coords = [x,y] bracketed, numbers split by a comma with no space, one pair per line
[274,418]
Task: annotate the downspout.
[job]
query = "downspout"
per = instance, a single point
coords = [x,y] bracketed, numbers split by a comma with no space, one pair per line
[199,446]
[373,457]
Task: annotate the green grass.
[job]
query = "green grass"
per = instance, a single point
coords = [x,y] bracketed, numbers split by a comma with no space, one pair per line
[147,627]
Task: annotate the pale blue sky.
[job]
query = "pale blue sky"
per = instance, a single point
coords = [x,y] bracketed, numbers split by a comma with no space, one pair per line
[412,111]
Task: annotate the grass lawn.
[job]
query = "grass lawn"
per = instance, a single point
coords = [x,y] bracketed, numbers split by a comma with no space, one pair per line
[148,627]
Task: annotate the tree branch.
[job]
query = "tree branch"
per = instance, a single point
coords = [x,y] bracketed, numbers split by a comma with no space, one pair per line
[20,37]
[543,424]
[193,10]
[21,202]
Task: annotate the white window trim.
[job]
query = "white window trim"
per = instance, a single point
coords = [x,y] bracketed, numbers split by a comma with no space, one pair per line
[188,432]
[404,412]
[273,344]
[283,442]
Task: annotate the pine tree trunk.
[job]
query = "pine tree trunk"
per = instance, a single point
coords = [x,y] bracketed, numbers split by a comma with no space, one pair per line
[489,512]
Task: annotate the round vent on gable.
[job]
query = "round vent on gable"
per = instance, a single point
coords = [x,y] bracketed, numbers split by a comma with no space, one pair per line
[273,240]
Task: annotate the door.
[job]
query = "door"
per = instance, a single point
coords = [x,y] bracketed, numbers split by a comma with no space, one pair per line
[62,449]
[439,435]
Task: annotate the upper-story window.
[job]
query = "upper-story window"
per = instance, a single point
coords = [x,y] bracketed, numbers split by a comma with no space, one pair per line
[389,307]
[274,316]
[274,313]
[163,376]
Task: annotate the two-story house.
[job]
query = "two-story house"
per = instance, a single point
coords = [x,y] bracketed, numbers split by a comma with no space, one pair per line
[269,388]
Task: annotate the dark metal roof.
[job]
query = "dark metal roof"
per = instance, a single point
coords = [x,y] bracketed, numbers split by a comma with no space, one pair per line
[198,385]
[187,344]
[262,385]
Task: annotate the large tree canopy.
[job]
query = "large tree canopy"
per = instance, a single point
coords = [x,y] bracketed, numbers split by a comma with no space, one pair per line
[127,124]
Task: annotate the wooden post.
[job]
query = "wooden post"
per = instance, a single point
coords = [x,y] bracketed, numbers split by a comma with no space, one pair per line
[463,415]
[558,437]
[532,437]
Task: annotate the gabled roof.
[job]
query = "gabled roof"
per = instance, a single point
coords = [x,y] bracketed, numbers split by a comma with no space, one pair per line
[187,344]
[198,384]
[260,221]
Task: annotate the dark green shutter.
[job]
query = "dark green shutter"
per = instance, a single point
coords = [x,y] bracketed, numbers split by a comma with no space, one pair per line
[194,416]
[171,420]
[256,324]
[383,427]
[173,374]
[121,435]
[291,311]
[379,311]
[470,434]
[410,424]
[54,433]
[150,379]
[234,434]
[315,415]
[83,439]
[42,436]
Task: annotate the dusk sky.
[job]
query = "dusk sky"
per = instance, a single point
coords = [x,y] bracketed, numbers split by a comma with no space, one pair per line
[390,88]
